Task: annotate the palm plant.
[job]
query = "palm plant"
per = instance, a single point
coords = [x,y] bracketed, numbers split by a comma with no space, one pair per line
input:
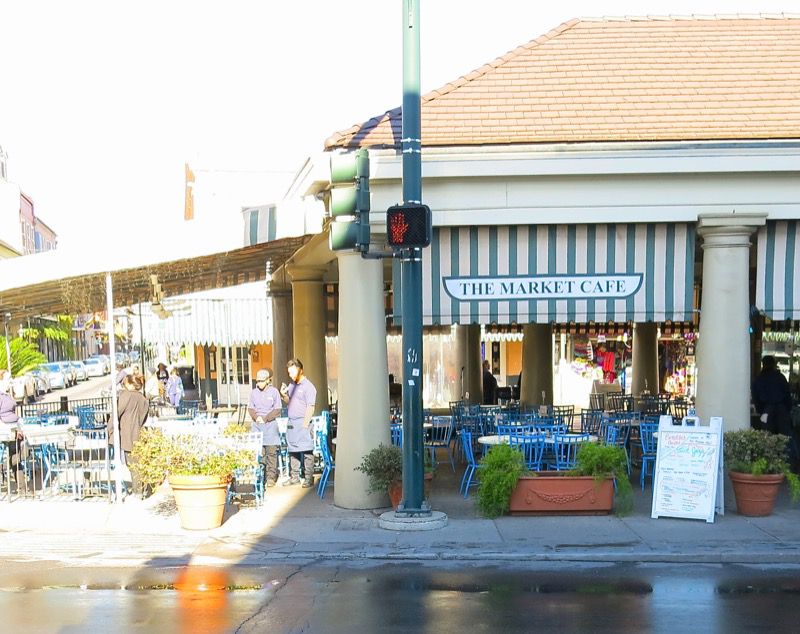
[25,356]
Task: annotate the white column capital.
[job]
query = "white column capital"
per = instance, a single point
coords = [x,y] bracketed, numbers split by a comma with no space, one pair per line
[728,230]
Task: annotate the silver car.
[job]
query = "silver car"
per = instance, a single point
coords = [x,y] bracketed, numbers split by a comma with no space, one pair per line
[70,374]
[80,370]
[54,375]
[94,366]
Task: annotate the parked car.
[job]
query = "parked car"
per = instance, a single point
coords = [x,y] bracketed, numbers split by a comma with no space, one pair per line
[23,388]
[106,360]
[70,375]
[80,370]
[94,366]
[42,382]
[54,375]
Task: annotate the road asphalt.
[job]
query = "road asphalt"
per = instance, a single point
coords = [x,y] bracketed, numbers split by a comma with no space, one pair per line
[295,525]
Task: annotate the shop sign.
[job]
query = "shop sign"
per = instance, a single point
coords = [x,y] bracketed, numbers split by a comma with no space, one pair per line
[503,288]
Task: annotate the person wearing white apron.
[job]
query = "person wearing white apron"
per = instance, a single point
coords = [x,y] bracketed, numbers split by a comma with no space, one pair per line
[300,397]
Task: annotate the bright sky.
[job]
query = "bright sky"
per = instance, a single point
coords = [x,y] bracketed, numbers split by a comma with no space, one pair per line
[102,102]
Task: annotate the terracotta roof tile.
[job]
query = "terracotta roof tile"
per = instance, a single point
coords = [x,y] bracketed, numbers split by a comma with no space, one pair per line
[635,78]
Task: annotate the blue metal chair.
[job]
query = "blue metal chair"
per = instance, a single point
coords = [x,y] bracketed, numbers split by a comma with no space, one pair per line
[440,437]
[566,448]
[564,414]
[591,420]
[283,456]
[531,444]
[327,464]
[471,421]
[85,416]
[617,433]
[472,464]
[618,402]
[647,428]
[397,434]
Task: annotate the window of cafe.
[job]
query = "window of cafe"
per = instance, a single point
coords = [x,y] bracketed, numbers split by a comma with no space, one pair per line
[239,365]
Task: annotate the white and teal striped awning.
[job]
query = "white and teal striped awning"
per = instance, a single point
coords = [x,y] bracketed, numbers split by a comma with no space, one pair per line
[777,286]
[259,224]
[559,273]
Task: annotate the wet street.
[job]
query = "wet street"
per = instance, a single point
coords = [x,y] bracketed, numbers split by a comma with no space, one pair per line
[406,597]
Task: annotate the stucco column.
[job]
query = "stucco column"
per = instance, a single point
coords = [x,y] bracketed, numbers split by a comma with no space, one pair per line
[645,358]
[723,350]
[468,353]
[308,328]
[282,340]
[363,378]
[537,364]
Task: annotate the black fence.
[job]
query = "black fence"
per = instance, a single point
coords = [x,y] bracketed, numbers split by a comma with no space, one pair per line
[64,406]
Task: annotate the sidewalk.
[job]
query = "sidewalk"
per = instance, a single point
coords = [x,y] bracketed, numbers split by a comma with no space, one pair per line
[294,525]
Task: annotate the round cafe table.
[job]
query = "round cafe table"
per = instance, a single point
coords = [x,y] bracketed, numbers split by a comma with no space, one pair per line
[496,439]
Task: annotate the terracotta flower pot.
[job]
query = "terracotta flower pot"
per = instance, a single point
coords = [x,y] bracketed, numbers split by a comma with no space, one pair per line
[200,499]
[396,493]
[553,493]
[755,494]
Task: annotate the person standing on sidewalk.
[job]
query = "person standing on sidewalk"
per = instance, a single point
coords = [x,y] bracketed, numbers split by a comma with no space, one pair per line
[773,401]
[264,408]
[301,398]
[132,408]
[174,387]
[489,385]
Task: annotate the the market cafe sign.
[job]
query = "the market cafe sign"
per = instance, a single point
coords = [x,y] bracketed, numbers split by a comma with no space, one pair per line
[494,288]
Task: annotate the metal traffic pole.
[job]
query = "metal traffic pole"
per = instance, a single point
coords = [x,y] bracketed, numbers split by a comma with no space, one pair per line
[411,274]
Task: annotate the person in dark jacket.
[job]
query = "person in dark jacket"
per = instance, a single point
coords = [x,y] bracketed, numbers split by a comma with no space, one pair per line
[773,401]
[132,408]
[489,385]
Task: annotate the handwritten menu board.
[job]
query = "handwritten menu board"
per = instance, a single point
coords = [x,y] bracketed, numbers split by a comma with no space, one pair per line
[687,471]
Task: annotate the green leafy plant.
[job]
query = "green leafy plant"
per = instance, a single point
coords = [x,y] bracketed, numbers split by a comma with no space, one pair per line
[157,455]
[25,356]
[759,452]
[382,465]
[606,461]
[500,469]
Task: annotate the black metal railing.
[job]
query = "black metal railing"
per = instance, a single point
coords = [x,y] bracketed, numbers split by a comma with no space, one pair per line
[64,406]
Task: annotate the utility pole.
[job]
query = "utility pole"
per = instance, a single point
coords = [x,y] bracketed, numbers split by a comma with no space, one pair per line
[411,274]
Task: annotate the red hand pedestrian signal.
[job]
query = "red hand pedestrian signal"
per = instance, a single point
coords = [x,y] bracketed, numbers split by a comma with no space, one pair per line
[408,226]
[397,228]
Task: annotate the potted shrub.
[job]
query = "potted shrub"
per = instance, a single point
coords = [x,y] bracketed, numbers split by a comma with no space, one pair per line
[384,468]
[757,466]
[500,469]
[199,469]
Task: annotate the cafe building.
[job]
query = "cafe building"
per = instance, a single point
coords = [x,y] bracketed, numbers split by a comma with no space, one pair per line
[621,192]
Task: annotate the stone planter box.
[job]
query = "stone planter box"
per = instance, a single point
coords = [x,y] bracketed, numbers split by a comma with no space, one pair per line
[554,493]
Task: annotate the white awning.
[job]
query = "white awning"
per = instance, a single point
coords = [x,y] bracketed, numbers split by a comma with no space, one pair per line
[225,322]
[777,286]
[559,273]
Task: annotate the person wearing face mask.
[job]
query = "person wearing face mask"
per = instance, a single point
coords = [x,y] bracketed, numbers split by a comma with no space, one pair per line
[301,398]
[264,408]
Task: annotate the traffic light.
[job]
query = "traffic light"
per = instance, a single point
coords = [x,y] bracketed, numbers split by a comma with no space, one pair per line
[349,205]
[408,226]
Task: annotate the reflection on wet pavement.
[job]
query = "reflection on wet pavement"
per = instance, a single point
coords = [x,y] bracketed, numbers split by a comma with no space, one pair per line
[404,597]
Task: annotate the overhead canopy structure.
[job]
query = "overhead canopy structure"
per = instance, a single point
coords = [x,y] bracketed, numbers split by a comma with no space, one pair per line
[208,321]
[60,282]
